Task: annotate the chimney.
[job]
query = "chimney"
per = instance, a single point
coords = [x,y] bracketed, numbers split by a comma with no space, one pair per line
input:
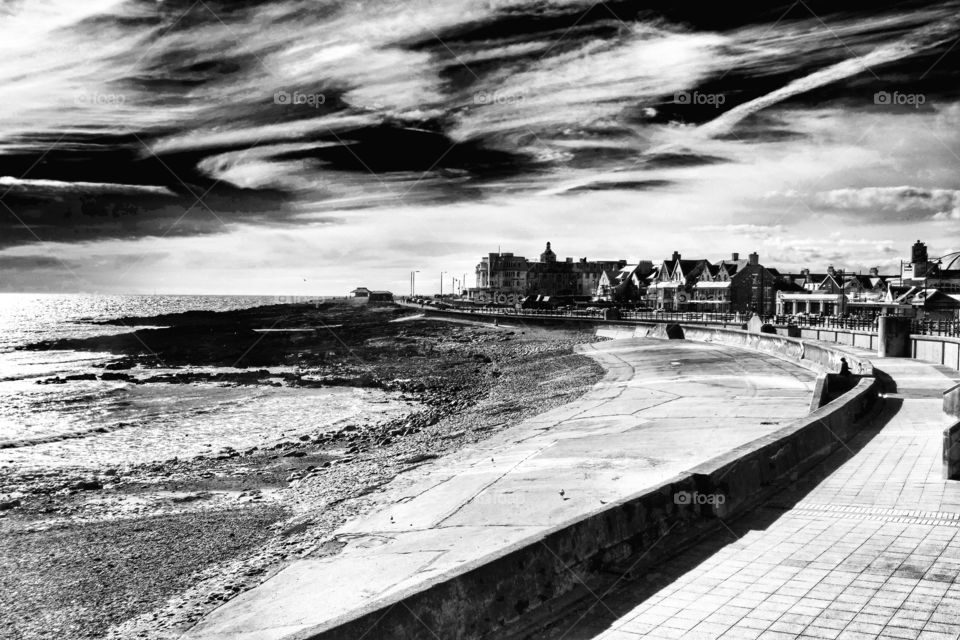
[676,256]
[874,271]
[831,271]
[754,258]
[734,256]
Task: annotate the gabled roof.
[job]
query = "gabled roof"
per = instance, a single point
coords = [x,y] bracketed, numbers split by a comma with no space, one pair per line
[733,266]
[686,266]
[610,276]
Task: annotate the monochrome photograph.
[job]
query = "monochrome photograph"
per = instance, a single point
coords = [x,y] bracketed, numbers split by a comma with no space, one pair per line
[479,320]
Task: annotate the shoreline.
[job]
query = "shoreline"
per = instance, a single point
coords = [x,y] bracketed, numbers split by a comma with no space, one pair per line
[481,380]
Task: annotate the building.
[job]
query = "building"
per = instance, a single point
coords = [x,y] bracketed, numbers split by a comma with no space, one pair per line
[752,287]
[372,296]
[930,286]
[628,284]
[504,278]
[925,288]
[731,285]
[672,288]
[837,292]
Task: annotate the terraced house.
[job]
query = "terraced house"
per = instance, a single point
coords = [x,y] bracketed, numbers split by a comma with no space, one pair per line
[672,289]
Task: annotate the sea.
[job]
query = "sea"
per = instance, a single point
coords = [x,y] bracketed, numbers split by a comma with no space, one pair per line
[96,424]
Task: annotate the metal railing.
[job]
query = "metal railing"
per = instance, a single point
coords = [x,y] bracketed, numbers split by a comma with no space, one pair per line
[949,328]
[868,325]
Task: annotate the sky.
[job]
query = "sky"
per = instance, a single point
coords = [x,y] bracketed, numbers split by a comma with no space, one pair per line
[307,147]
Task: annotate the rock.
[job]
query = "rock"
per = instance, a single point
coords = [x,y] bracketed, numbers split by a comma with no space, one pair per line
[294,454]
[420,457]
[124,377]
[88,485]
[6,505]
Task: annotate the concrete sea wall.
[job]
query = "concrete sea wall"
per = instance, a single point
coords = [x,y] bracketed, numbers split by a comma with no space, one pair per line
[820,357]
[540,575]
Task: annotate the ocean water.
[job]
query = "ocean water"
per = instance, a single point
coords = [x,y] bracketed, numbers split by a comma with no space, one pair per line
[32,317]
[107,423]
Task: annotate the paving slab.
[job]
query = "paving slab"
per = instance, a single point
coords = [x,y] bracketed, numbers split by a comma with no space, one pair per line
[869,549]
[662,407]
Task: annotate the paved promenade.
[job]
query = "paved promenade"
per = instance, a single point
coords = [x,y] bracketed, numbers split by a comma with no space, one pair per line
[869,549]
[663,407]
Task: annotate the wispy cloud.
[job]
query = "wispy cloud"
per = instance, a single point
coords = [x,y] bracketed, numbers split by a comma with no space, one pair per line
[539,115]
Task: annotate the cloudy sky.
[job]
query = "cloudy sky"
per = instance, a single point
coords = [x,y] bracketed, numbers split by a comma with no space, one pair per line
[310,146]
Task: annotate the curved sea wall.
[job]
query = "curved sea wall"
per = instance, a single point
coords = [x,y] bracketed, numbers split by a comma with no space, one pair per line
[504,593]
[507,592]
[818,356]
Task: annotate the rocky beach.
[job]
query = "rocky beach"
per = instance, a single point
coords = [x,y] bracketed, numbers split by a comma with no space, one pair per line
[140,549]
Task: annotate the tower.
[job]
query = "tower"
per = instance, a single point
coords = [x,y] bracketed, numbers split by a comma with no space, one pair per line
[919,255]
[548,255]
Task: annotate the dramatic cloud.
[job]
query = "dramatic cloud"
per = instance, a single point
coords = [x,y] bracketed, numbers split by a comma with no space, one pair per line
[135,122]
[944,204]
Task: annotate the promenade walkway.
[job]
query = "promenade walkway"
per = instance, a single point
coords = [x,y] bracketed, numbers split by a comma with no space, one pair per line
[868,549]
[663,407]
